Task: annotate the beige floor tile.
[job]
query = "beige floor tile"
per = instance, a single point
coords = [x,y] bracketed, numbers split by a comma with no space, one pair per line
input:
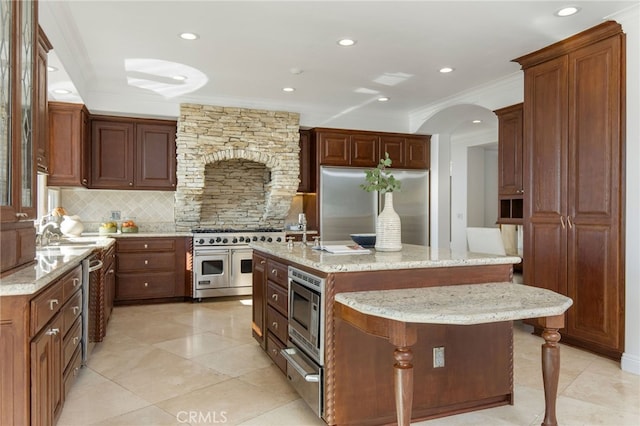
[620,395]
[97,403]
[236,361]
[295,413]
[269,378]
[197,344]
[158,331]
[160,381]
[232,399]
[147,416]
[113,364]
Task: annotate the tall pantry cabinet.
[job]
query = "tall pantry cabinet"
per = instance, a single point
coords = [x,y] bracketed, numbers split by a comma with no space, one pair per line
[574,181]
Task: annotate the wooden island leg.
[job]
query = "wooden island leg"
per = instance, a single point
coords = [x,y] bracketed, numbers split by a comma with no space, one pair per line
[551,367]
[403,374]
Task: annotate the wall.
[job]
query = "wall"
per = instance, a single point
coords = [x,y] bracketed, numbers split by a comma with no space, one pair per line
[151,210]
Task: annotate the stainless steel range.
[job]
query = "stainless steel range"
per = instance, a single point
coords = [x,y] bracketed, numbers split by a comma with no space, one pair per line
[222,263]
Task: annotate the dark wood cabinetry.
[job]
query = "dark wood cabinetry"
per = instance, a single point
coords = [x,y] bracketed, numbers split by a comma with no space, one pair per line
[510,188]
[40,346]
[150,268]
[307,163]
[270,306]
[573,180]
[353,148]
[129,153]
[68,144]
[41,116]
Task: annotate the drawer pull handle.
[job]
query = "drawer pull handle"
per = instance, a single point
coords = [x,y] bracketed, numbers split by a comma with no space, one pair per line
[146,246]
[53,332]
[146,262]
[274,297]
[274,325]
[111,271]
[146,284]
[275,352]
[76,281]
[274,272]
[75,371]
[262,262]
[75,309]
[76,340]
[52,303]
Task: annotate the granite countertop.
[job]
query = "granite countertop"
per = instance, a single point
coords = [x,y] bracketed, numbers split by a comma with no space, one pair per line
[458,304]
[140,234]
[410,257]
[52,262]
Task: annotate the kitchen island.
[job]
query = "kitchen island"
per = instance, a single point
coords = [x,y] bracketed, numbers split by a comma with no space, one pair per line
[477,371]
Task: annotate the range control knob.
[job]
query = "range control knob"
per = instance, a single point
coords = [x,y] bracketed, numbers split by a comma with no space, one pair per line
[218,239]
[278,239]
[255,238]
[262,238]
[200,241]
[269,239]
[211,241]
[247,238]
[225,241]
[234,241]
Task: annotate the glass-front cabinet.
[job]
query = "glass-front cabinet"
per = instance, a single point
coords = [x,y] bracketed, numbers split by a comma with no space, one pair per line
[17,56]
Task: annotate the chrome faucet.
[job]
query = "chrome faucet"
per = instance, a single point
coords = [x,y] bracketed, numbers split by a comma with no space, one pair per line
[47,234]
[302,220]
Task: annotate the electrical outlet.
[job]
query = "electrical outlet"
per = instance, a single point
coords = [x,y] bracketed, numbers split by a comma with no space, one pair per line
[115,215]
[438,357]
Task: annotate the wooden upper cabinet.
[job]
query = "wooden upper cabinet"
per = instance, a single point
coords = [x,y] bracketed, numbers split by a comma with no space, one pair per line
[112,154]
[156,156]
[510,150]
[129,153]
[41,116]
[417,152]
[334,148]
[307,163]
[365,149]
[68,144]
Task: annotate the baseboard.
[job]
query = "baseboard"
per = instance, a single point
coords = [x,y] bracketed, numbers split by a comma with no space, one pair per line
[630,363]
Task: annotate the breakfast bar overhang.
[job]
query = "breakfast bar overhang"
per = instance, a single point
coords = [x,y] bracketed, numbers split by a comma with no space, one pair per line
[393,314]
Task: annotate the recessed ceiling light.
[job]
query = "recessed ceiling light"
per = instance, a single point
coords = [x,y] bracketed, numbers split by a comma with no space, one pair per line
[179,77]
[567,11]
[383,99]
[51,69]
[288,89]
[189,36]
[346,42]
[477,121]
[446,70]
[61,91]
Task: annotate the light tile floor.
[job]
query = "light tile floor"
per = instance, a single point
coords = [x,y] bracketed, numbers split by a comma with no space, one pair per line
[193,364]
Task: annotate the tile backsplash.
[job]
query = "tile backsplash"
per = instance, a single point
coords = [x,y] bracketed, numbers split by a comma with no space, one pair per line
[152,210]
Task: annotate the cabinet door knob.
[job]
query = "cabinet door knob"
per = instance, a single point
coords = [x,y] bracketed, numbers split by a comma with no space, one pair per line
[52,303]
[76,281]
[146,246]
[274,272]
[76,340]
[146,262]
[562,222]
[274,325]
[274,297]
[130,183]
[53,332]
[75,309]
[146,284]
[262,262]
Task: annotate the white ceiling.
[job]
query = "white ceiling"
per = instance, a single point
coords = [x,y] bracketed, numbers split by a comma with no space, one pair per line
[121,55]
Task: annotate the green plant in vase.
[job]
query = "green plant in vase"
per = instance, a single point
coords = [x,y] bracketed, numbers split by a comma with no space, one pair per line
[379,179]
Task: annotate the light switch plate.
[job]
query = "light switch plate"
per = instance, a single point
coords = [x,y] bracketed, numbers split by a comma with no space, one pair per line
[115,215]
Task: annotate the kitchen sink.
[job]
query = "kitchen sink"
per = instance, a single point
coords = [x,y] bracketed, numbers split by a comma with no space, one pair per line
[77,242]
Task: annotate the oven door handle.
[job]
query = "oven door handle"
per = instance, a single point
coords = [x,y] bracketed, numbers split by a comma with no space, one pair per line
[290,354]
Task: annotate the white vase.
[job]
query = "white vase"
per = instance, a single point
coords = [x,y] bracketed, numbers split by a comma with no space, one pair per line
[71,226]
[388,227]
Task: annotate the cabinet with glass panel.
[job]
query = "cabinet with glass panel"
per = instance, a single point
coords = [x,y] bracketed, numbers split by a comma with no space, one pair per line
[18,25]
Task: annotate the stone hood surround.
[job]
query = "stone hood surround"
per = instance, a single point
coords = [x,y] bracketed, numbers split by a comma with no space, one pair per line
[236,168]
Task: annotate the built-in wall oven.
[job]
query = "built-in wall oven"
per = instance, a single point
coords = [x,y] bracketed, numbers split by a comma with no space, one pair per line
[305,353]
[222,260]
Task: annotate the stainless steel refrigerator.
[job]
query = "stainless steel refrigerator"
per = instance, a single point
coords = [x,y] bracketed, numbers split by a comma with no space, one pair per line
[345,208]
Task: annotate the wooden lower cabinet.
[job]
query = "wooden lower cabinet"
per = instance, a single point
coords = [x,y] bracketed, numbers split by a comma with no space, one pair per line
[270,306]
[40,348]
[150,268]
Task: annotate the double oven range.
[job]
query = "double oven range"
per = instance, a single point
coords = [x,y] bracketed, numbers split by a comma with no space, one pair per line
[222,260]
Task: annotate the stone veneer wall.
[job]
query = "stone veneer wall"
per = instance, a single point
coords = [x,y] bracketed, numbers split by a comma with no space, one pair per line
[225,159]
